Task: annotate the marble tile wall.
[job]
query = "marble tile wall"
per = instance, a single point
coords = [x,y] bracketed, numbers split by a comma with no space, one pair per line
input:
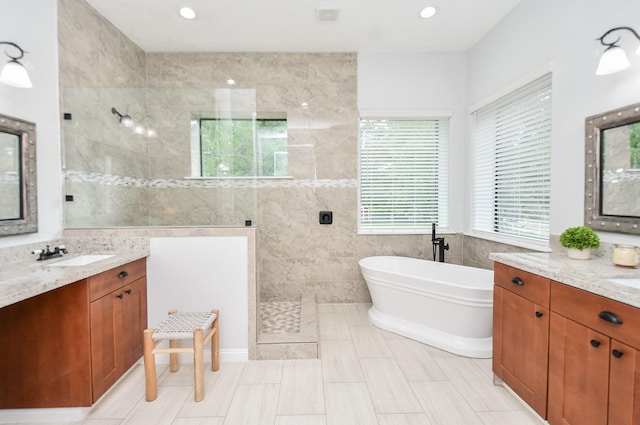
[100,69]
[122,180]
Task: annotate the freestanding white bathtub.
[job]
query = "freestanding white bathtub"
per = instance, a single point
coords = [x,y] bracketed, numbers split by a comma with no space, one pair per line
[444,305]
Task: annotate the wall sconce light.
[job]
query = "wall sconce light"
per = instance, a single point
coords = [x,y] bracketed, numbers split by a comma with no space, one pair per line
[13,73]
[137,126]
[125,120]
[614,59]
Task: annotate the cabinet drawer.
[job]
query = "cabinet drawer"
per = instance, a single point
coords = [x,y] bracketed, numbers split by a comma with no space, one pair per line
[585,308]
[110,280]
[530,286]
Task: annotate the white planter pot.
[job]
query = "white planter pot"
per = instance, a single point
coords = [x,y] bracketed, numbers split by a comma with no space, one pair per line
[579,254]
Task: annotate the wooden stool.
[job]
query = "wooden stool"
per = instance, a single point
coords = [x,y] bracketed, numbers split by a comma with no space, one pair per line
[182,326]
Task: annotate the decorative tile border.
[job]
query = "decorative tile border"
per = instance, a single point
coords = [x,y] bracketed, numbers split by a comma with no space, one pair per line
[113,180]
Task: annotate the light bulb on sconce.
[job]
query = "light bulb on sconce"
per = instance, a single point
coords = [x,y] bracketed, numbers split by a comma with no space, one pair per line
[614,59]
[125,120]
[14,73]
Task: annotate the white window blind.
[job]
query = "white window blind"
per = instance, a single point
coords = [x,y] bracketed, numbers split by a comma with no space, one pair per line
[404,168]
[512,163]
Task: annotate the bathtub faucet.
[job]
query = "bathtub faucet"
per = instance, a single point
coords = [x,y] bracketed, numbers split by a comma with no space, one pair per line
[438,242]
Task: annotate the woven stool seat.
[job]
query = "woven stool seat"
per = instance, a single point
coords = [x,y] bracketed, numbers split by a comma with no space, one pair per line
[181,325]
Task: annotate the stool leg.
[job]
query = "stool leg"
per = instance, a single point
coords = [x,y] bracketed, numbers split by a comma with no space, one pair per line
[174,364]
[151,381]
[215,343]
[198,364]
[174,359]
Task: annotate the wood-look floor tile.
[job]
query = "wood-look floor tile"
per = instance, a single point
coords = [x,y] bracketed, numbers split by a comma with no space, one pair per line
[198,421]
[443,404]
[340,362]
[475,385]
[415,361]
[121,399]
[301,391]
[389,389]
[369,342]
[262,372]
[508,418]
[162,410]
[349,403]
[301,420]
[356,314]
[332,323]
[403,419]
[218,392]
[253,404]
[91,422]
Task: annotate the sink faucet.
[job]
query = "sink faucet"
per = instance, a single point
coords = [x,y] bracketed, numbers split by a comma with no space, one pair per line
[438,242]
[46,254]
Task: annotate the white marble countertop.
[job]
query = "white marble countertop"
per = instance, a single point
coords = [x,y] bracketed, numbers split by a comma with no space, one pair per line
[22,280]
[590,275]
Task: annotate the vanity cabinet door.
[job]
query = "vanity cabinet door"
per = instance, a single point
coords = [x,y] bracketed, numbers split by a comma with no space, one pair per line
[578,374]
[624,386]
[520,347]
[134,321]
[106,326]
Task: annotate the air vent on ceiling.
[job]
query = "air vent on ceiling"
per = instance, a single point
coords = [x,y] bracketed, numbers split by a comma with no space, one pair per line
[327,14]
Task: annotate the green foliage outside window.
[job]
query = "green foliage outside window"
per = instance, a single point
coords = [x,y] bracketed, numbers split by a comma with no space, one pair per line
[634,138]
[243,147]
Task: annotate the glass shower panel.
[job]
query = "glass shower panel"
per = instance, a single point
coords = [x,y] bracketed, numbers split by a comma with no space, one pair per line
[122,172]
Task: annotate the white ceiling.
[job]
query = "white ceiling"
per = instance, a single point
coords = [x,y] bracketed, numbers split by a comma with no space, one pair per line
[291,25]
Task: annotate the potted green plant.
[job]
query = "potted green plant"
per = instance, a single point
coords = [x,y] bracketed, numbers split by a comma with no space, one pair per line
[579,241]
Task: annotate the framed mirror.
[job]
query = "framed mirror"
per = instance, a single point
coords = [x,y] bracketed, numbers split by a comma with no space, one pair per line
[18,190]
[612,171]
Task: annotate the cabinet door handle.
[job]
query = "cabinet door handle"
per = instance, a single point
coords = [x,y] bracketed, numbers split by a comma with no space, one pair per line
[120,296]
[128,291]
[123,274]
[538,314]
[617,354]
[595,343]
[517,281]
[610,317]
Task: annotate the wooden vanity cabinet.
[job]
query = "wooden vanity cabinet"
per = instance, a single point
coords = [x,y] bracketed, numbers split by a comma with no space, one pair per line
[594,359]
[118,311]
[66,347]
[521,333]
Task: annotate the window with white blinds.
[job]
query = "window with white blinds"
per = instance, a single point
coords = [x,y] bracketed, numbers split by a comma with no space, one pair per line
[404,169]
[512,163]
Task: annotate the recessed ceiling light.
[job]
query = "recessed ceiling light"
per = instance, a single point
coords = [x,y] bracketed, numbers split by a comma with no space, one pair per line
[231,82]
[187,13]
[428,12]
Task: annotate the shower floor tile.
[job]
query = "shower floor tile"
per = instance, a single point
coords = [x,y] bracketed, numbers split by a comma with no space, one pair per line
[280,317]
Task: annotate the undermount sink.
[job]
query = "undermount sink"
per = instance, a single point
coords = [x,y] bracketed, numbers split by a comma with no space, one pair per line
[631,282]
[81,260]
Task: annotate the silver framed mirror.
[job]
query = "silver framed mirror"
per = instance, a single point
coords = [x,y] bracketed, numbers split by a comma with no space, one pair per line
[18,184]
[612,171]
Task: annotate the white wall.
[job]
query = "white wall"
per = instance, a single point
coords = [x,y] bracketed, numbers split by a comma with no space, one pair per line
[33,26]
[398,81]
[563,34]
[200,274]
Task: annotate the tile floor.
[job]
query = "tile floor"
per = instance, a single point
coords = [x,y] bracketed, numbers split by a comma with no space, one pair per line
[365,376]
